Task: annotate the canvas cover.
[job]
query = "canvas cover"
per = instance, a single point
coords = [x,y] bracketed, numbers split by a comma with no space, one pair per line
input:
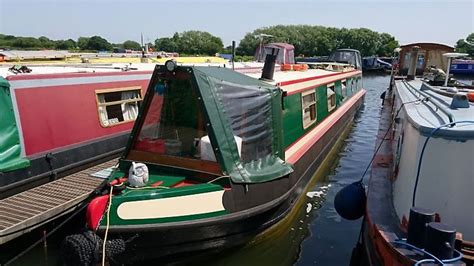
[238,105]
[10,148]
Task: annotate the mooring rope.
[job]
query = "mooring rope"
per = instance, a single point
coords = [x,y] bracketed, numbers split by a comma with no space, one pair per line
[107,225]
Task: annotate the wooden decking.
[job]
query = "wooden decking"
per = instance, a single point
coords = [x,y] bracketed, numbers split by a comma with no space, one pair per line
[23,212]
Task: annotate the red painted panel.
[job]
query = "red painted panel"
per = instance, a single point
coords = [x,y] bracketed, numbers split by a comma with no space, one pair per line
[54,117]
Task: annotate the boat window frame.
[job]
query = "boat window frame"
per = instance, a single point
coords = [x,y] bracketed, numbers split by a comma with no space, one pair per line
[331,86]
[309,105]
[344,88]
[138,100]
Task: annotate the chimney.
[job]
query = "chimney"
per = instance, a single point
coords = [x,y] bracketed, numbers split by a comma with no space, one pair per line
[269,67]
[414,60]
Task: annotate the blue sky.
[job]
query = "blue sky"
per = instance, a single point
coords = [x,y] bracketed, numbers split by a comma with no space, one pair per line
[409,21]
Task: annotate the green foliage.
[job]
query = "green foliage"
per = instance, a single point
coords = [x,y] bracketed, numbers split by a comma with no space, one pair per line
[318,40]
[69,44]
[466,45]
[82,43]
[133,45]
[190,42]
[99,44]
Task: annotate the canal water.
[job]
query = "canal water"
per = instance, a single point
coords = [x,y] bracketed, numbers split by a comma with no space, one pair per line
[313,235]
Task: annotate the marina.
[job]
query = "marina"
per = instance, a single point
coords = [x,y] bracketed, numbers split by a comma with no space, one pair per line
[277,137]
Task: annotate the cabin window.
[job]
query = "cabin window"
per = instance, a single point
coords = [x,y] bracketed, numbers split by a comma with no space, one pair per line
[343,89]
[116,106]
[308,106]
[174,125]
[331,91]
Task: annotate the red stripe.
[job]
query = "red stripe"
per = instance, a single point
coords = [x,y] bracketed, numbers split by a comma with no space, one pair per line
[289,82]
[76,75]
[334,118]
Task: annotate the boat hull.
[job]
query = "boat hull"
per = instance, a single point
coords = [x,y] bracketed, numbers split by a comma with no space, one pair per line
[263,205]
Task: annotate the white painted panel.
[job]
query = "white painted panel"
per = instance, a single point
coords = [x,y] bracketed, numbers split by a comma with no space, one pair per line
[446,182]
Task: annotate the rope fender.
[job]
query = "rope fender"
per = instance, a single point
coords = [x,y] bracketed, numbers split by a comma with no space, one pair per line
[85,249]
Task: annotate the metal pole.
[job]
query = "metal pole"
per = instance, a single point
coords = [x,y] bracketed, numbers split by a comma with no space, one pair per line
[233,54]
[447,72]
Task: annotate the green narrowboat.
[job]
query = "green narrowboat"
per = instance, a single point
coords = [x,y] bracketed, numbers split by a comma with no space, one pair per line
[227,156]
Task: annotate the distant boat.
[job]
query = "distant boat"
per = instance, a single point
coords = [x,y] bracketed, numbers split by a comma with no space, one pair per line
[374,63]
[462,66]
[228,155]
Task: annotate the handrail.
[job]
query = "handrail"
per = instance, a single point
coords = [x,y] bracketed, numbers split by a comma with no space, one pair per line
[430,98]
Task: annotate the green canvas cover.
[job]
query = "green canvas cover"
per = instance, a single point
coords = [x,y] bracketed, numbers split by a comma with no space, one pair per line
[238,105]
[10,148]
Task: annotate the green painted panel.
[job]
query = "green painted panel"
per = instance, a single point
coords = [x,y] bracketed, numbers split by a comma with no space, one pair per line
[322,96]
[10,148]
[157,193]
[292,119]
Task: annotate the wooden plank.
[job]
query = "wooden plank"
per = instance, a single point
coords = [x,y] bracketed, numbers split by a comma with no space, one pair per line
[30,209]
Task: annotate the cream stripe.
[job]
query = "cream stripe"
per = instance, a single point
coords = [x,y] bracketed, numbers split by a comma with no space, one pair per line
[313,83]
[172,207]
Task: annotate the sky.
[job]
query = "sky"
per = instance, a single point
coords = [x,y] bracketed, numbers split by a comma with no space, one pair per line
[409,21]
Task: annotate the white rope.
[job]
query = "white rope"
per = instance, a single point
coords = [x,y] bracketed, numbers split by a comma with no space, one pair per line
[107,225]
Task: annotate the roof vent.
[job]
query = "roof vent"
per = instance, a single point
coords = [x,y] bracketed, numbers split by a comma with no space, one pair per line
[459,101]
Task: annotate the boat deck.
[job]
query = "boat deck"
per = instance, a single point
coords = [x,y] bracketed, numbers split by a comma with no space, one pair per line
[428,115]
[23,212]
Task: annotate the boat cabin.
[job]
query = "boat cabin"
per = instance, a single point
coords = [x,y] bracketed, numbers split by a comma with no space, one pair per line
[210,122]
[429,54]
[285,52]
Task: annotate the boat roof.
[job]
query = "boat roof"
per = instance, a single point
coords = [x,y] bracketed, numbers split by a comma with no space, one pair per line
[296,81]
[426,116]
[429,45]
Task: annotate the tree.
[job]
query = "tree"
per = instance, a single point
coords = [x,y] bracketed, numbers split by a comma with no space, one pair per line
[99,44]
[190,42]
[466,45]
[387,44]
[66,44]
[132,45]
[82,43]
[45,42]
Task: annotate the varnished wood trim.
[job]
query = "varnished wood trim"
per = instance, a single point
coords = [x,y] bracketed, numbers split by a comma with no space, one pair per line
[174,161]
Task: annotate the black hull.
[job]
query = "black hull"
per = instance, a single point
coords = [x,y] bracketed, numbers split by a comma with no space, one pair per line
[59,163]
[261,206]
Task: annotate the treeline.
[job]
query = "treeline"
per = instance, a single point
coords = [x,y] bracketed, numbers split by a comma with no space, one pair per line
[94,43]
[318,40]
[308,41]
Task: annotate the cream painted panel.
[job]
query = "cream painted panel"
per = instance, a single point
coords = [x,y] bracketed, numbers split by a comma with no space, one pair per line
[172,207]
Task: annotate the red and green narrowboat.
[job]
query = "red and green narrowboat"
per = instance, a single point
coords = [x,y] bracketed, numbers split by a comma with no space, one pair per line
[227,154]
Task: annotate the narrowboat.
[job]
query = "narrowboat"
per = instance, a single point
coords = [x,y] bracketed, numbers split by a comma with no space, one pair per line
[57,120]
[62,118]
[216,157]
[419,201]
